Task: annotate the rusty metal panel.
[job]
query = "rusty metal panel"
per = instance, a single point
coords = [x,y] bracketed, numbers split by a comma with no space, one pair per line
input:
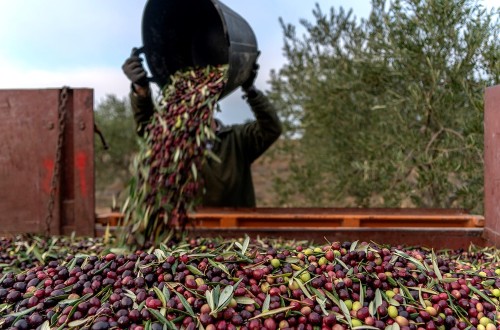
[433,228]
[492,164]
[436,238]
[29,133]
[335,217]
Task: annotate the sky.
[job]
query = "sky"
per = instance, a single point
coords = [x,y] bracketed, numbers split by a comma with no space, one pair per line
[83,44]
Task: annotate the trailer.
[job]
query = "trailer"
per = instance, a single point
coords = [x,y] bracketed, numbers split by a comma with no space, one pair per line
[52,190]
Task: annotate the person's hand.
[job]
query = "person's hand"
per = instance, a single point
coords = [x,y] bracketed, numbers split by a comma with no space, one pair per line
[134,70]
[248,84]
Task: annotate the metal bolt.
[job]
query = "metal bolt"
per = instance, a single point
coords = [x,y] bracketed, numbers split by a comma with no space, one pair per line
[82,126]
[50,126]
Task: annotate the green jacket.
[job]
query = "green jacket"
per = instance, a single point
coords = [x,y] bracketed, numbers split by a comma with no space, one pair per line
[229,183]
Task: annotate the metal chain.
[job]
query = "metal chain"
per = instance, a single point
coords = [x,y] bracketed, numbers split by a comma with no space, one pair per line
[61,112]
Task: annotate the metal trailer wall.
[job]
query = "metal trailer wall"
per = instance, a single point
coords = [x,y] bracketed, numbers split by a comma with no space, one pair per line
[432,228]
[29,134]
[492,165]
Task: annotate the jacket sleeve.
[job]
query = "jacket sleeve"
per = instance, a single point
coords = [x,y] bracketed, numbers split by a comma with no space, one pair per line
[257,136]
[142,109]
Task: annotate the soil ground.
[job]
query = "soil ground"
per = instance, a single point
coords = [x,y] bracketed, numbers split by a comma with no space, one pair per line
[264,171]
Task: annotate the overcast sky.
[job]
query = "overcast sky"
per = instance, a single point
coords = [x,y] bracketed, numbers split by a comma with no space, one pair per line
[53,43]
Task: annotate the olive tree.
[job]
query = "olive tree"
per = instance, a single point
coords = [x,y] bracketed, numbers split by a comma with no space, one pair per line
[387,110]
[113,118]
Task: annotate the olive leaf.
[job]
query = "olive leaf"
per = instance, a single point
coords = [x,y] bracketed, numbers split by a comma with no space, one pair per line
[160,296]
[218,300]
[372,309]
[130,294]
[244,300]
[421,266]
[78,323]
[342,263]
[422,302]
[75,301]
[225,297]
[333,296]
[243,248]
[378,298]
[45,326]
[480,293]
[186,304]
[362,289]
[160,254]
[265,304]
[272,312]
[194,270]
[345,311]
[320,299]
[219,265]
[162,319]
[423,289]
[22,313]
[303,288]
[435,266]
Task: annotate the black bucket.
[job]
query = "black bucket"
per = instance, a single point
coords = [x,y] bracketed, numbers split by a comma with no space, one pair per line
[178,34]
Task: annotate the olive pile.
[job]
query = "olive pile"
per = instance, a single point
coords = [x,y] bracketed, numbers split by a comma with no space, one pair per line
[168,184]
[23,252]
[258,284]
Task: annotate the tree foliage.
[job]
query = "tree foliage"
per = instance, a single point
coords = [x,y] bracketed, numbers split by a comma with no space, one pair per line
[388,110]
[113,118]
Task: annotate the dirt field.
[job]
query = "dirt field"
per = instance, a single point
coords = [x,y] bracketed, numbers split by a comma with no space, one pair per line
[264,170]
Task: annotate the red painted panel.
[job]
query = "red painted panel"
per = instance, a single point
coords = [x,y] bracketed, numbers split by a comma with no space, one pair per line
[29,134]
[492,164]
[83,162]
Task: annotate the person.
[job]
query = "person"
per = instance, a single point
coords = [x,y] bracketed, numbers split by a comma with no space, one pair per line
[227,183]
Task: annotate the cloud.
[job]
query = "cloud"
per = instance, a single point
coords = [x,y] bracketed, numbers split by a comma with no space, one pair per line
[103,80]
[62,34]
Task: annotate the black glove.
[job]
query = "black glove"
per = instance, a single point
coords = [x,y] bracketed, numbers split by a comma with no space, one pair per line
[134,70]
[251,78]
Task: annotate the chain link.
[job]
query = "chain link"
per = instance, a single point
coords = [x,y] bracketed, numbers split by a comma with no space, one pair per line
[61,112]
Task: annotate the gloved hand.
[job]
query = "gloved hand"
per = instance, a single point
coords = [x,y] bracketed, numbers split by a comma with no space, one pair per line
[251,78]
[134,70]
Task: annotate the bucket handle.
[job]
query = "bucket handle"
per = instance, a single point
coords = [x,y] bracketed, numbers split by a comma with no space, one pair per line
[138,51]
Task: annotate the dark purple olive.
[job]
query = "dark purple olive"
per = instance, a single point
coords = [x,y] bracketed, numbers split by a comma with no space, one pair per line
[35,320]
[315,318]
[57,293]
[126,302]
[8,282]
[13,296]
[21,324]
[156,326]
[101,325]
[123,321]
[3,293]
